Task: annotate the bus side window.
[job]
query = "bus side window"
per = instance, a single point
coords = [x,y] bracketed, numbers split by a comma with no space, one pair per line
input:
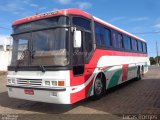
[103,36]
[107,34]
[117,40]
[134,44]
[127,43]
[88,45]
[114,39]
[88,41]
[144,48]
[81,22]
[120,41]
[140,49]
[100,38]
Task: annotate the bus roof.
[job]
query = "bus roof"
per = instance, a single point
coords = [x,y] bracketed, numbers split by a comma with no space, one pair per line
[71,11]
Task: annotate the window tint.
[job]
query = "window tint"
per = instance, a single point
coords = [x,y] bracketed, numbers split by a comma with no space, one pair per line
[140,49]
[99,36]
[120,41]
[144,48]
[127,43]
[48,40]
[117,40]
[107,35]
[88,42]
[82,22]
[88,45]
[102,36]
[134,44]
[41,24]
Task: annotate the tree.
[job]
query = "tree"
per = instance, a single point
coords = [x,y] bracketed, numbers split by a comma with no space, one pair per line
[152,60]
[158,59]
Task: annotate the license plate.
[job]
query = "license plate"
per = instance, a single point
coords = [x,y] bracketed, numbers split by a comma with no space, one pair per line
[29,92]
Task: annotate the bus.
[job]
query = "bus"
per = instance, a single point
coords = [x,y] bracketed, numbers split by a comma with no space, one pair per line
[68,55]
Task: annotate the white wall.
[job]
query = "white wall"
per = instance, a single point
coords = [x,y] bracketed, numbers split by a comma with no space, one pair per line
[5,58]
[5,53]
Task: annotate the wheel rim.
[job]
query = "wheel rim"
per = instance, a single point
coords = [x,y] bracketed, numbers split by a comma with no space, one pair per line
[98,86]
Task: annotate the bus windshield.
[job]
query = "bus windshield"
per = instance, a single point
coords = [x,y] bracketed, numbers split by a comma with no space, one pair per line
[46,47]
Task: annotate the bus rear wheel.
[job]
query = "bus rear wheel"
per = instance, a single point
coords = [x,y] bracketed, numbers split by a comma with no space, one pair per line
[139,73]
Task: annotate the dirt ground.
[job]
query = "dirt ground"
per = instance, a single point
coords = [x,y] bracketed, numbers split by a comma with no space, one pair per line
[134,99]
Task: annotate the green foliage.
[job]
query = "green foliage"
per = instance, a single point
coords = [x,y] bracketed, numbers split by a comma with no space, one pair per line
[152,60]
[157,58]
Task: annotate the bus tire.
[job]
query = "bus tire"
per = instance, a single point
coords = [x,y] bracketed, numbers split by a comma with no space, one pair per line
[99,86]
[139,75]
[142,71]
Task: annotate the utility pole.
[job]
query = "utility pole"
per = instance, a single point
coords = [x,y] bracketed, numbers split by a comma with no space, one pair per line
[157,54]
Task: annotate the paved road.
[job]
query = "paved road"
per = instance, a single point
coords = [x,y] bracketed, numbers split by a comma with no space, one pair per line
[135,97]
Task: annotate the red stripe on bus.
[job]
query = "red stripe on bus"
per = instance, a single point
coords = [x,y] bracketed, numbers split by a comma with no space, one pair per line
[81,79]
[101,52]
[75,97]
[125,72]
[90,67]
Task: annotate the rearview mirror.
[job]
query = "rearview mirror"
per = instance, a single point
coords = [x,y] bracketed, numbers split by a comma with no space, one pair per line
[77,38]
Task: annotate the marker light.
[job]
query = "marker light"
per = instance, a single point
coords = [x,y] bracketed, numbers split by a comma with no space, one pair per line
[54,83]
[47,83]
[60,83]
[13,81]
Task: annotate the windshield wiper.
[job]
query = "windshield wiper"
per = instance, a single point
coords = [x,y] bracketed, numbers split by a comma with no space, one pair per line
[42,68]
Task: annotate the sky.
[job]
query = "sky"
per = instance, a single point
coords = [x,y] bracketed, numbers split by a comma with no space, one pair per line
[139,17]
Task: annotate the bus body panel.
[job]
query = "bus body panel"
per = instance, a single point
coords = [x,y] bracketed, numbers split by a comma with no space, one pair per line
[81,87]
[117,70]
[41,96]
[48,95]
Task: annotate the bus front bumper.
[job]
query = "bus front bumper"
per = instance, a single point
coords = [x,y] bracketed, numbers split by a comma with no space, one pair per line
[40,94]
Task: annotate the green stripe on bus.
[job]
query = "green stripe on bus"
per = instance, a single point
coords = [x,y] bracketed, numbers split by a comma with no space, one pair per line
[114,80]
[90,90]
[106,70]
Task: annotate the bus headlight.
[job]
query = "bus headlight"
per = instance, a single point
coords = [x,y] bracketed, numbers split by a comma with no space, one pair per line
[13,81]
[9,81]
[47,83]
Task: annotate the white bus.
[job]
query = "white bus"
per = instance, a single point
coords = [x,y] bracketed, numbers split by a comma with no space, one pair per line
[68,55]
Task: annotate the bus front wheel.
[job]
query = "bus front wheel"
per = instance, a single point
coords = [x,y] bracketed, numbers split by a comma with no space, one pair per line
[99,87]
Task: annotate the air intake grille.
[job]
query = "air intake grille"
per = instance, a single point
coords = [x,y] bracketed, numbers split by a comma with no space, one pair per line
[33,82]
